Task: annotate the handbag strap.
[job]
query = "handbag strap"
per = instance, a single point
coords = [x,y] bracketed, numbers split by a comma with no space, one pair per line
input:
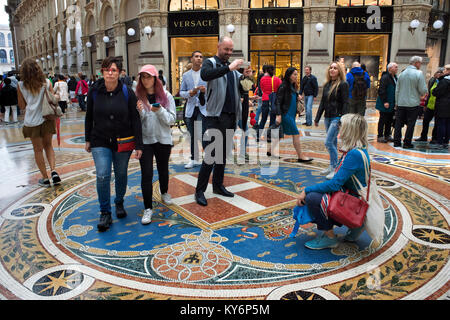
[272,84]
[367,170]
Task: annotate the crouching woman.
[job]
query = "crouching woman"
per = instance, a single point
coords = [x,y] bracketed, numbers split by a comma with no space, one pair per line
[353,135]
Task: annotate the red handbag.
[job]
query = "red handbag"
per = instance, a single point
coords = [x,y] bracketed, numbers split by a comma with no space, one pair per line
[125,144]
[347,209]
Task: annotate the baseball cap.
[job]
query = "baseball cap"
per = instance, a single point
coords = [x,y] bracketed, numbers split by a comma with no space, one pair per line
[150,69]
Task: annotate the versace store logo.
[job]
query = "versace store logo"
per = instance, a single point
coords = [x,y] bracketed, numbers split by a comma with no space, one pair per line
[364,20]
[194,23]
[276,21]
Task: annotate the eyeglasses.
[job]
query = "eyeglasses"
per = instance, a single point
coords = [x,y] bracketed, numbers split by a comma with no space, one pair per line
[111,70]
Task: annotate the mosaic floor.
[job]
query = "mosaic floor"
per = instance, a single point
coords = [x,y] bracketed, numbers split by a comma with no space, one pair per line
[236,248]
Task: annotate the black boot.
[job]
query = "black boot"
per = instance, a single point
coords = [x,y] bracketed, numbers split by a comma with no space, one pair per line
[105,221]
[120,211]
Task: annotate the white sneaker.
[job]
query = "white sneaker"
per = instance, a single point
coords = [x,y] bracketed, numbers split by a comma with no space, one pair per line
[190,164]
[167,199]
[330,175]
[147,217]
[327,170]
[197,163]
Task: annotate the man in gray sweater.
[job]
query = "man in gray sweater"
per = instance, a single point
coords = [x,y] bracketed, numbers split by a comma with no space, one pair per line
[411,86]
[223,110]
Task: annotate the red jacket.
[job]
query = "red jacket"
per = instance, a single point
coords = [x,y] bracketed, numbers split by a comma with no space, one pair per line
[265,85]
[84,87]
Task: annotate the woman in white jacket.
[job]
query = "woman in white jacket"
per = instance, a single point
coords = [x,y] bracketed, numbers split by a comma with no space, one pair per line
[62,90]
[157,109]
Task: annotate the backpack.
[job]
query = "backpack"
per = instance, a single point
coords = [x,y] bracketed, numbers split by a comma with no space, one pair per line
[124,90]
[359,90]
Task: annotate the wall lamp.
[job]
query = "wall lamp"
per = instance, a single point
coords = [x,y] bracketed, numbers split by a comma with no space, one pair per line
[319,28]
[149,32]
[88,44]
[131,32]
[230,30]
[413,25]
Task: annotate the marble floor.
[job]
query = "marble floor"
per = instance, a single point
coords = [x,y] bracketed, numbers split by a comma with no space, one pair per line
[235,248]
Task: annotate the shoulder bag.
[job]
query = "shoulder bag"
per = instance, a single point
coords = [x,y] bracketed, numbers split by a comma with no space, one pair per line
[347,209]
[50,108]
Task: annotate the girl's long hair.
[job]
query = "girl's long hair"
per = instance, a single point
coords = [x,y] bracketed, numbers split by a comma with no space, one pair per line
[160,95]
[287,78]
[334,83]
[32,76]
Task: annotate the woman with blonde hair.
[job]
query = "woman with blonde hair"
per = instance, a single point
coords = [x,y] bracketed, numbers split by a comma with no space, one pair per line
[353,135]
[334,103]
[30,94]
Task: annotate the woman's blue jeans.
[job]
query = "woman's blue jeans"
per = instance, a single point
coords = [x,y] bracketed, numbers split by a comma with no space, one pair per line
[332,127]
[104,158]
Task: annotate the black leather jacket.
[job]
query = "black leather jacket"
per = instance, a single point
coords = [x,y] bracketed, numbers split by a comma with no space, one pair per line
[336,105]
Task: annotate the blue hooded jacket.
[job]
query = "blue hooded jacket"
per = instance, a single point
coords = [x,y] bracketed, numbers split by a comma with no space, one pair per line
[350,79]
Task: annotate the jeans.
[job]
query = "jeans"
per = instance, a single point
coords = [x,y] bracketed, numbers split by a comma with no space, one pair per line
[162,155]
[13,110]
[104,158]
[244,138]
[313,200]
[190,122]
[408,116]
[81,102]
[258,110]
[332,127]
[308,109]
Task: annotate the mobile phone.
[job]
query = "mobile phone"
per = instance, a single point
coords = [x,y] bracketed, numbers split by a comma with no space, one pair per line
[156,105]
[245,64]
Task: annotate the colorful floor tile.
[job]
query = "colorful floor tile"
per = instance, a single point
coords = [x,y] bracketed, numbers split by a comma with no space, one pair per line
[235,248]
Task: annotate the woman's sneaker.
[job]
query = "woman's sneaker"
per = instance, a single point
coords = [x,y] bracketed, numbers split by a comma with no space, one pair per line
[147,217]
[167,199]
[44,183]
[322,242]
[327,170]
[353,234]
[105,221]
[55,178]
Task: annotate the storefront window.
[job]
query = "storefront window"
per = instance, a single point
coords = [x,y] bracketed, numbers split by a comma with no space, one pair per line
[281,51]
[179,5]
[254,4]
[181,50]
[354,3]
[369,49]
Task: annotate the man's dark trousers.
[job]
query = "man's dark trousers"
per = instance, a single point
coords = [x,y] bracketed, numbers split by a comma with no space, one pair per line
[408,116]
[222,123]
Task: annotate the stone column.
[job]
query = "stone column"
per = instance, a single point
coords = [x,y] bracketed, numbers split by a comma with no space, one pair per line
[86,66]
[101,50]
[73,45]
[239,19]
[406,42]
[154,47]
[318,48]
[120,49]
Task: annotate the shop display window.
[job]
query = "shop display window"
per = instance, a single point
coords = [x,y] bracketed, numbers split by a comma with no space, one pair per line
[254,4]
[181,51]
[181,5]
[368,49]
[281,51]
[356,3]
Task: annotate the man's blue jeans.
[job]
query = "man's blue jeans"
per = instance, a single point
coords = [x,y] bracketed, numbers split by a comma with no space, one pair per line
[104,158]
[332,127]
[190,123]
[308,109]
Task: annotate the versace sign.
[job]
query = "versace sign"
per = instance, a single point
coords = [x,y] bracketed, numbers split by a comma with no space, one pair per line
[193,23]
[276,21]
[364,19]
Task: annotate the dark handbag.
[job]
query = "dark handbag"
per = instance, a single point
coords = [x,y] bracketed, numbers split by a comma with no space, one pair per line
[274,127]
[347,209]
[125,144]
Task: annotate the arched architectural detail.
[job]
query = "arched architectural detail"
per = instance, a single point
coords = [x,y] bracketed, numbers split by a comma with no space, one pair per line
[106,17]
[129,8]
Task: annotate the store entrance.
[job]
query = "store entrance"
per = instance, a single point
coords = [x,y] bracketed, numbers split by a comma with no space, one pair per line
[181,52]
[281,51]
[370,50]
